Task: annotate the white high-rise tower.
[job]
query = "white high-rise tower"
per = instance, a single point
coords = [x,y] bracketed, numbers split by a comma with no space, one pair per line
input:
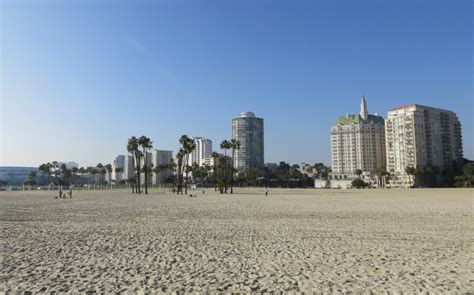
[202,152]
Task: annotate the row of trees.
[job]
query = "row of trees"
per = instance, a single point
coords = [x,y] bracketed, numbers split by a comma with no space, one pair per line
[59,174]
[430,176]
[133,147]
[223,173]
[458,174]
[467,178]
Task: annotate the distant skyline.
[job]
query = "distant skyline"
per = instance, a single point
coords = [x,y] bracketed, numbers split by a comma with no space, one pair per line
[78,78]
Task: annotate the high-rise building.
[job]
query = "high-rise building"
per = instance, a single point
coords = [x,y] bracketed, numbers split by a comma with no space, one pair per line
[128,167]
[248,129]
[420,137]
[118,163]
[357,143]
[161,158]
[202,151]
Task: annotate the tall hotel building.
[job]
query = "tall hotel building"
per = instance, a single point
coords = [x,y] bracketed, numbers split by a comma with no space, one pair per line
[248,129]
[357,142]
[160,158]
[118,162]
[128,167]
[202,152]
[420,136]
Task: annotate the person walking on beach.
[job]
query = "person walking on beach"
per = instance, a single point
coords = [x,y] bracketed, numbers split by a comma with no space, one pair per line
[266,192]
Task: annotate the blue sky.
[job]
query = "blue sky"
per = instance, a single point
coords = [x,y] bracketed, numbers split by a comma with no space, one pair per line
[78,78]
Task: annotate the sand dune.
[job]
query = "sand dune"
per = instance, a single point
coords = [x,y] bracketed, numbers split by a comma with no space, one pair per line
[293,240]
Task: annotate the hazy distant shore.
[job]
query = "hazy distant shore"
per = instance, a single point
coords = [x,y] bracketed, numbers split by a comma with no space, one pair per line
[292,240]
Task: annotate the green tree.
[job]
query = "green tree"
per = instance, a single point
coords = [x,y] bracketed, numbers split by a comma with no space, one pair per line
[55,170]
[67,176]
[359,183]
[46,170]
[468,176]
[411,171]
[31,178]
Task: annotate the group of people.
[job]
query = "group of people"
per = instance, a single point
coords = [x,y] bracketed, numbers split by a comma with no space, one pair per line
[64,195]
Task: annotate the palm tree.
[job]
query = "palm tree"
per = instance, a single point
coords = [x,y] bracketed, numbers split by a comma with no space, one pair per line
[171,166]
[108,168]
[235,145]
[358,172]
[214,156]
[94,172]
[132,147]
[207,170]
[117,170]
[179,156]
[146,144]
[225,145]
[157,169]
[188,145]
[99,170]
[138,170]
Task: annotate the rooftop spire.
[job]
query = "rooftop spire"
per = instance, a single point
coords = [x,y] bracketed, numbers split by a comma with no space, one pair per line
[363,108]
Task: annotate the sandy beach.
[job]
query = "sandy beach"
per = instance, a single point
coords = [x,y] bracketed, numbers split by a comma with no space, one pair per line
[292,240]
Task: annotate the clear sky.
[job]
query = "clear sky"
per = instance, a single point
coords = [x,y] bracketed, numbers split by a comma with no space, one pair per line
[78,78]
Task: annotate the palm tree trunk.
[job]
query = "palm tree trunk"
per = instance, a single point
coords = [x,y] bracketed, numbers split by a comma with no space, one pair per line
[133,186]
[138,175]
[225,171]
[186,173]
[180,172]
[146,170]
[232,172]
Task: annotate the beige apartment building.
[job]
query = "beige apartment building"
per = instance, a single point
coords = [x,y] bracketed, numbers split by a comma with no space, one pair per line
[420,136]
[357,142]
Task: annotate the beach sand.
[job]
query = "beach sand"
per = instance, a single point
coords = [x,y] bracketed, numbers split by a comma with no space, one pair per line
[292,240]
